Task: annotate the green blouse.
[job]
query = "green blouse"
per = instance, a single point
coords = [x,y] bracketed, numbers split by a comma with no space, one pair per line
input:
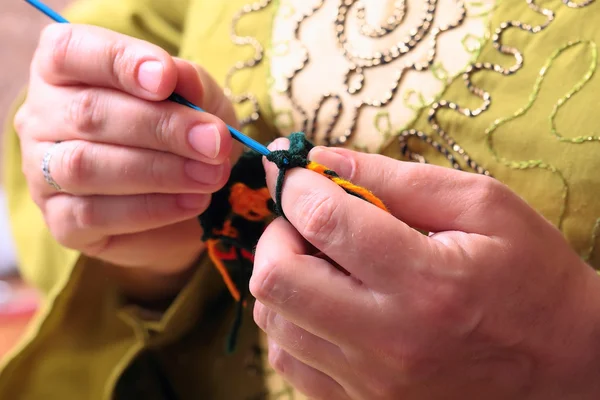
[530,87]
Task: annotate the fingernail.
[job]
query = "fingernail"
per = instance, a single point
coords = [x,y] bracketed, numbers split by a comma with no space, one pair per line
[204,173]
[192,201]
[150,75]
[279,144]
[335,161]
[205,139]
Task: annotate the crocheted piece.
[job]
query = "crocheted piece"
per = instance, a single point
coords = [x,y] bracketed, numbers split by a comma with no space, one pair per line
[297,156]
[239,213]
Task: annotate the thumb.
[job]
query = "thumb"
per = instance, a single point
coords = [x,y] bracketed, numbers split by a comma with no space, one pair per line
[426,196]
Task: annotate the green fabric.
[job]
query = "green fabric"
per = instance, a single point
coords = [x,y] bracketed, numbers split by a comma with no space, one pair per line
[570,181]
[84,338]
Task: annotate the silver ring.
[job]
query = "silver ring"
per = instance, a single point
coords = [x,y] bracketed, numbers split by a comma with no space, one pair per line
[46,167]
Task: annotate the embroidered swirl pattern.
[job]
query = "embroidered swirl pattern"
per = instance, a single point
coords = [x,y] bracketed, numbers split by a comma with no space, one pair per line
[527,164]
[425,35]
[250,63]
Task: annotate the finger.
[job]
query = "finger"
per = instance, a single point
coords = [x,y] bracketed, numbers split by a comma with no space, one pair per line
[176,246]
[191,81]
[349,230]
[300,343]
[107,116]
[199,87]
[84,168]
[207,93]
[307,290]
[86,222]
[426,196]
[70,54]
[310,382]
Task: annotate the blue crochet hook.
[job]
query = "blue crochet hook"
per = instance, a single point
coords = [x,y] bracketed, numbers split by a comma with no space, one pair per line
[237,135]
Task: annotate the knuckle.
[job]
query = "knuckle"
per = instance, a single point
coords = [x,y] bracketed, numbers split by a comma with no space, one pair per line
[263,316]
[447,304]
[158,174]
[84,113]
[278,359]
[74,165]
[121,63]
[96,249]
[481,196]
[488,191]
[21,120]
[55,41]
[83,214]
[57,219]
[266,279]
[166,129]
[319,217]
[70,221]
[442,303]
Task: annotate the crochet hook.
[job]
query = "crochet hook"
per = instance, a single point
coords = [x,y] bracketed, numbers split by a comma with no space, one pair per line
[237,135]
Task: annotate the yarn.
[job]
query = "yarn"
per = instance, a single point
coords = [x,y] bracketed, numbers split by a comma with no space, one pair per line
[297,156]
[240,212]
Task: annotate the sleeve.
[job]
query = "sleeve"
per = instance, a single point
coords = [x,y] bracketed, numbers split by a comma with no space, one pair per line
[83,316]
[156,21]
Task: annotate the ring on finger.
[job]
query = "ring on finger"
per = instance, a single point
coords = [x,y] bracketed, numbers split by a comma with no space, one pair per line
[46,167]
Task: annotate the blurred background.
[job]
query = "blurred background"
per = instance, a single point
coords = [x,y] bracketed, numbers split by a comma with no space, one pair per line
[20,25]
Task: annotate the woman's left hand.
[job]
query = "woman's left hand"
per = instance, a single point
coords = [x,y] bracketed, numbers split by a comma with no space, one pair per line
[359,305]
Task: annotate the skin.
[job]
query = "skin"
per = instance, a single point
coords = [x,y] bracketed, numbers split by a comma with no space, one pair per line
[135,170]
[355,302]
[359,305]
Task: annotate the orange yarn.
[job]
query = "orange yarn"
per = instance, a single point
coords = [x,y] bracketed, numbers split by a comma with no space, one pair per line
[347,185]
[216,256]
[250,203]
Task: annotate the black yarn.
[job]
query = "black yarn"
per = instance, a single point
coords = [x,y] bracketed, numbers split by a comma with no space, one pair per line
[295,156]
[249,170]
[244,278]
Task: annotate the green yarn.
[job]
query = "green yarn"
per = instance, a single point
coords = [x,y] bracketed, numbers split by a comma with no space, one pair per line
[295,156]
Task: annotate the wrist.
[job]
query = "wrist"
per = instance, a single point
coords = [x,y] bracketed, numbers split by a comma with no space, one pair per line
[152,287]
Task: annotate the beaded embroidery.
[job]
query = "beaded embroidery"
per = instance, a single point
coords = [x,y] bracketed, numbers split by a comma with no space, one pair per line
[526,164]
[256,58]
[417,53]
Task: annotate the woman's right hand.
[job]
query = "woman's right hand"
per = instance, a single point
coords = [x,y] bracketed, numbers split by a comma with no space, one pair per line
[134,171]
